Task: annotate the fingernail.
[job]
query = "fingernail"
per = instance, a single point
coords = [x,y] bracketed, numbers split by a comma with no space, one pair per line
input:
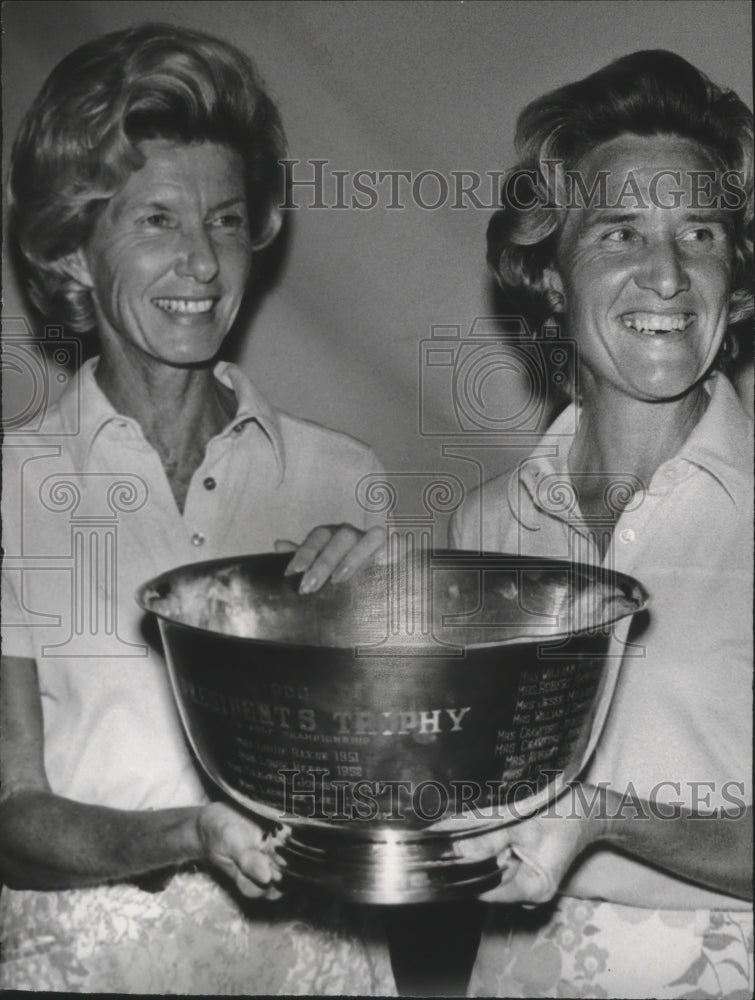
[280,835]
[309,583]
[341,574]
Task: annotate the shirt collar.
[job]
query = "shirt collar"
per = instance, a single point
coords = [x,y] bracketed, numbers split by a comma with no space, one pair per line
[85,410]
[547,459]
[721,444]
[252,406]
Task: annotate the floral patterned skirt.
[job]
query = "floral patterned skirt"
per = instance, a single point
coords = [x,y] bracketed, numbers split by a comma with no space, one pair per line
[193,937]
[587,948]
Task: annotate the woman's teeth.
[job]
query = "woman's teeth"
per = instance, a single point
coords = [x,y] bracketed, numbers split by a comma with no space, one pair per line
[646,322]
[185,305]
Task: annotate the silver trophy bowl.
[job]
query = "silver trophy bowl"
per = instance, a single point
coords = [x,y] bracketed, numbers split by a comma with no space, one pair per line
[383,725]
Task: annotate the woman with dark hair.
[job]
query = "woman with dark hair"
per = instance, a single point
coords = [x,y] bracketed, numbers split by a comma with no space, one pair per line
[144,178]
[628,221]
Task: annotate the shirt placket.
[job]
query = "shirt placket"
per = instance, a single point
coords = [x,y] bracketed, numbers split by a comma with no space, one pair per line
[122,448]
[202,514]
[631,536]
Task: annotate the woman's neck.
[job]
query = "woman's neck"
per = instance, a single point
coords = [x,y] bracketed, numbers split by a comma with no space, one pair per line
[627,435]
[621,442]
[179,410]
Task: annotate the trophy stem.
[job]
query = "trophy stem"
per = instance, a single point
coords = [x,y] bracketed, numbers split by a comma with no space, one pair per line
[387,870]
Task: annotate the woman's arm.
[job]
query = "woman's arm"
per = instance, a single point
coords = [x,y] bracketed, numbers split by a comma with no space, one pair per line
[713,849]
[49,842]
[536,854]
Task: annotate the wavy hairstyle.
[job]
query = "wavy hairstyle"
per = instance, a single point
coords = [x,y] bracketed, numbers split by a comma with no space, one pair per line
[78,143]
[652,92]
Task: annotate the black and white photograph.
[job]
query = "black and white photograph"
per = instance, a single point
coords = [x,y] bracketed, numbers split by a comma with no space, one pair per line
[377,498]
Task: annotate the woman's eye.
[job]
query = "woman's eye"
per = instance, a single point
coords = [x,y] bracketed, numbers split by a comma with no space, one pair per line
[158,220]
[622,235]
[700,234]
[229,220]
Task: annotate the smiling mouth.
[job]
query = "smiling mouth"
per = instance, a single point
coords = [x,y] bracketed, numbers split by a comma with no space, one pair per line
[654,323]
[185,306]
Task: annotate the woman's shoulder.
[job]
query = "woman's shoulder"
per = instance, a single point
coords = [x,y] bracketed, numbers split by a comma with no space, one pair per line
[299,436]
[302,436]
[297,428]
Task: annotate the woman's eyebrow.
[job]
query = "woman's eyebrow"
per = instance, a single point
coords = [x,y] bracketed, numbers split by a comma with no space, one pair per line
[599,218]
[229,203]
[709,216]
[139,205]
[158,205]
[596,218]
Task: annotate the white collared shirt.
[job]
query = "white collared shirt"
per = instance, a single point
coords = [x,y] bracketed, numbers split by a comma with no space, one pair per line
[88,516]
[680,725]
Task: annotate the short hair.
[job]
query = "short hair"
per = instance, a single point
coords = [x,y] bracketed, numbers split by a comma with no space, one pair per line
[78,143]
[653,92]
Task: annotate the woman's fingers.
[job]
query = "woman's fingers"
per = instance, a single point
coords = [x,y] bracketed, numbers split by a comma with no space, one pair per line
[284,545]
[333,552]
[541,850]
[521,882]
[255,874]
[239,848]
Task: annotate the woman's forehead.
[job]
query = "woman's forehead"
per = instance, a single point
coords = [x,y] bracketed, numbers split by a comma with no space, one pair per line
[656,174]
[643,160]
[174,170]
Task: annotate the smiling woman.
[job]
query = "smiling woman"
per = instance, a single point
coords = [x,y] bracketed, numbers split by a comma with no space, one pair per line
[144,178]
[640,884]
[646,285]
[168,259]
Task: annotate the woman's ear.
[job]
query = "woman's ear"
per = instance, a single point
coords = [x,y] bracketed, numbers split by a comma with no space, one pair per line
[75,266]
[554,290]
[274,223]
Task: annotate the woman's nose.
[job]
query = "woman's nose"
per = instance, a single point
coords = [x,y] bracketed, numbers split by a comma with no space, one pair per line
[198,258]
[663,269]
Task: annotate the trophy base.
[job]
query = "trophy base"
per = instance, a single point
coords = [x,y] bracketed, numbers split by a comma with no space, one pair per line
[387,868]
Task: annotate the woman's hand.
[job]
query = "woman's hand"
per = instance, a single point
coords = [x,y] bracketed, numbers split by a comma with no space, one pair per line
[533,855]
[51,842]
[240,849]
[331,552]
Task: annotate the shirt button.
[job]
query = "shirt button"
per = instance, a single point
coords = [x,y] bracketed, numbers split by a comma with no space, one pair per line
[197,538]
[209,483]
[626,535]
